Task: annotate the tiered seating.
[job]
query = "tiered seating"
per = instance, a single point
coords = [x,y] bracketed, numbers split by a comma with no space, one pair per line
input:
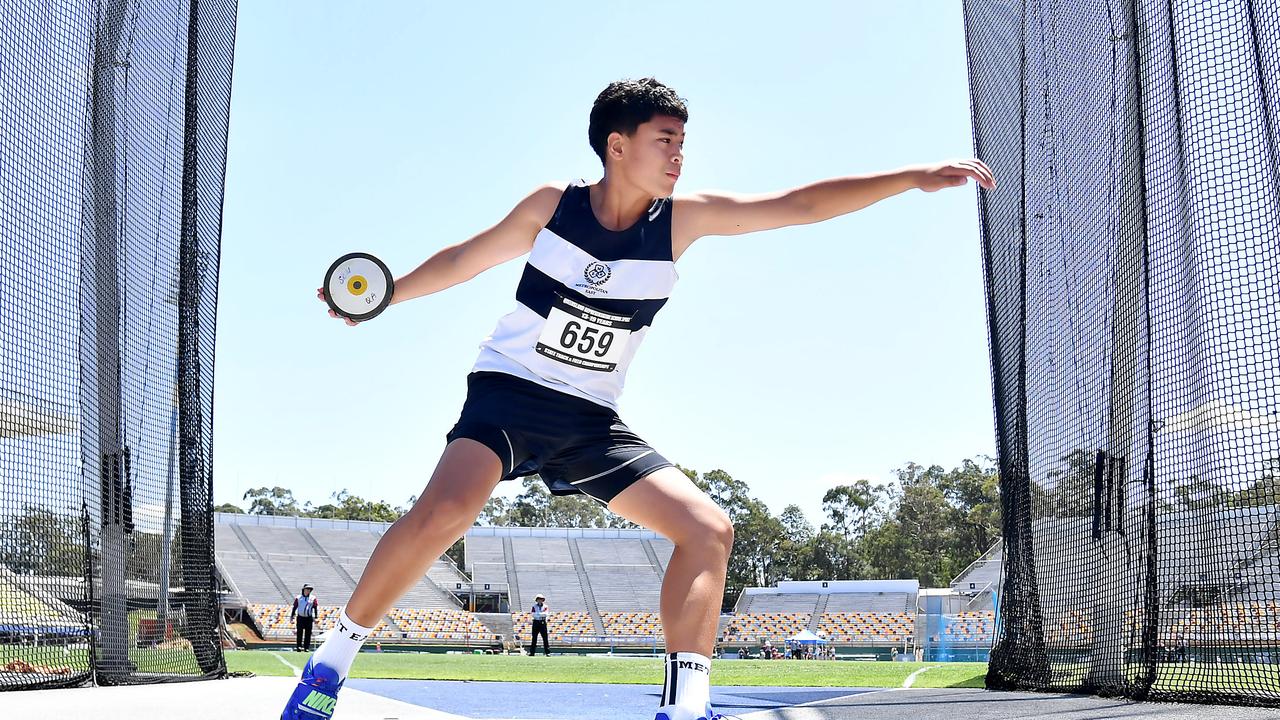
[971,627]
[871,602]
[1071,629]
[776,626]
[292,556]
[559,625]
[245,571]
[437,624]
[420,624]
[867,627]
[485,559]
[663,548]
[621,576]
[629,624]
[1225,623]
[27,611]
[273,620]
[758,603]
[544,565]
[1236,622]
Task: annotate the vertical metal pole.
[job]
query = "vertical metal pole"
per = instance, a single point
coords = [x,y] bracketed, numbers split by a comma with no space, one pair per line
[166,545]
[103,452]
[195,485]
[1117,589]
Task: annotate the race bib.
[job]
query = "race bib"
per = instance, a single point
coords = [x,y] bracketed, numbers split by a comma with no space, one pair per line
[583,337]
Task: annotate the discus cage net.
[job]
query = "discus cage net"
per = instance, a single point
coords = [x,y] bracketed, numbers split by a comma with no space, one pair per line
[1132,261]
[113,127]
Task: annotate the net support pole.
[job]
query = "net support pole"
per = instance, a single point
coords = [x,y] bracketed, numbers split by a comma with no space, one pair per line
[104,451]
[195,486]
[1108,667]
[166,543]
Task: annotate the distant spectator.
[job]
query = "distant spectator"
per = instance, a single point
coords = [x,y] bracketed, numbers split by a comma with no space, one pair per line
[540,610]
[305,608]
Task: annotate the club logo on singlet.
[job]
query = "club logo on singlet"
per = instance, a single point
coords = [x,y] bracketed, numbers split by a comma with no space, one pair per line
[597,274]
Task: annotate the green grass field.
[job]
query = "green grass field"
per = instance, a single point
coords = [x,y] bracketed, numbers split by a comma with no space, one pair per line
[604,669]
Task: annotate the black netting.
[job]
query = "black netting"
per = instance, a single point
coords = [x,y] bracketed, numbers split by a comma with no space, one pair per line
[113,126]
[1132,257]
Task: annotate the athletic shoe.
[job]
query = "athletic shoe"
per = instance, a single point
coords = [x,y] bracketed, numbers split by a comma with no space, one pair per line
[316,694]
[710,715]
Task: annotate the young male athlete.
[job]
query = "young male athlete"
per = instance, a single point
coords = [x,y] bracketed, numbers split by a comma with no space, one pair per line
[543,395]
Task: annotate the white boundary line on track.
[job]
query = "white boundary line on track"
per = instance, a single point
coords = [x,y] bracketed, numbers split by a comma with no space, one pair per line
[292,668]
[911,679]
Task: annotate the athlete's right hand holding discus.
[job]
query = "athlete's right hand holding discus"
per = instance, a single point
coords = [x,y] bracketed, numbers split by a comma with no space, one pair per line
[357,287]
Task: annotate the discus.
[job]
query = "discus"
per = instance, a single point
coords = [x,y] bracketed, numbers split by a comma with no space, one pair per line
[358,286]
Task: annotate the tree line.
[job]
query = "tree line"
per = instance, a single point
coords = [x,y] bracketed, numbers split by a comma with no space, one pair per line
[928,525]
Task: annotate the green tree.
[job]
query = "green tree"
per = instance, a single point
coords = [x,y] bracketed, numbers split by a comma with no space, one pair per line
[536,507]
[272,501]
[851,510]
[1067,491]
[229,508]
[1262,492]
[494,512]
[973,490]
[934,523]
[43,542]
[354,507]
[793,560]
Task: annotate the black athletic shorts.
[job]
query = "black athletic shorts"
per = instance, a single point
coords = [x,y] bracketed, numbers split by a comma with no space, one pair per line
[575,445]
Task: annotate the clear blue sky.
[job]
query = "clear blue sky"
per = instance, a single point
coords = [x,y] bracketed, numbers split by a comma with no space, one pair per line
[794,360]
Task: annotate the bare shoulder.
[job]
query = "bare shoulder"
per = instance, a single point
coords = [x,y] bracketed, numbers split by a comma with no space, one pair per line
[540,204]
[691,214]
[696,202]
[686,210]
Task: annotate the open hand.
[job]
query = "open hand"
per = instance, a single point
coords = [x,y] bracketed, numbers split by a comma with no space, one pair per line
[332,314]
[954,173]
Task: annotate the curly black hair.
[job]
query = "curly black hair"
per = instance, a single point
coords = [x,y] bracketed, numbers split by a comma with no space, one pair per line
[626,104]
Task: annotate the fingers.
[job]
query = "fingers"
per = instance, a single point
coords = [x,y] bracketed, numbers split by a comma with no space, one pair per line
[334,315]
[347,320]
[979,171]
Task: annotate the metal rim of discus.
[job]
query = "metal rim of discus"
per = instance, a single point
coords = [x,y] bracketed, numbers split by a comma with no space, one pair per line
[352,280]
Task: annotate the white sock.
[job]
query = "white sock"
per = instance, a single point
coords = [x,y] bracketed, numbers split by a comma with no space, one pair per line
[686,686]
[339,649]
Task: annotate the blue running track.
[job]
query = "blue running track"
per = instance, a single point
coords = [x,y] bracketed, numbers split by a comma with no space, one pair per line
[568,701]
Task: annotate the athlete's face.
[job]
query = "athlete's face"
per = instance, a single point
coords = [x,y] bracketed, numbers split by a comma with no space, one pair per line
[652,158]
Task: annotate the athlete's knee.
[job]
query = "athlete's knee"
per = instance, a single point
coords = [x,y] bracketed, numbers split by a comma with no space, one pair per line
[722,530]
[711,530]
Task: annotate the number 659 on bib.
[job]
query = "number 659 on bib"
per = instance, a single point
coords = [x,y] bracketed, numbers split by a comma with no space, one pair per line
[584,337]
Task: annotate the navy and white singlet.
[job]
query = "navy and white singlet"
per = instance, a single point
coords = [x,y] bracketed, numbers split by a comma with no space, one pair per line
[585,301]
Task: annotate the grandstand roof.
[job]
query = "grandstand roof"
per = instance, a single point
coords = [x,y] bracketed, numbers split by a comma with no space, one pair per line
[825,587]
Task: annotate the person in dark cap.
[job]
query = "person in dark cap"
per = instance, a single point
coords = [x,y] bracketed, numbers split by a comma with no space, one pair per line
[305,607]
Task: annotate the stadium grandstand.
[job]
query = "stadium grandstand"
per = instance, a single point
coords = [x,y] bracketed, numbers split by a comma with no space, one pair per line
[29,614]
[602,585]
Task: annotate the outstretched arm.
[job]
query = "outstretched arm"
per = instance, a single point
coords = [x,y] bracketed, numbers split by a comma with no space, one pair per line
[718,213]
[510,238]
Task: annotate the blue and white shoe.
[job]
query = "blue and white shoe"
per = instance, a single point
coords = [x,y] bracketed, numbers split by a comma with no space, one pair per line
[316,694]
[708,715]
